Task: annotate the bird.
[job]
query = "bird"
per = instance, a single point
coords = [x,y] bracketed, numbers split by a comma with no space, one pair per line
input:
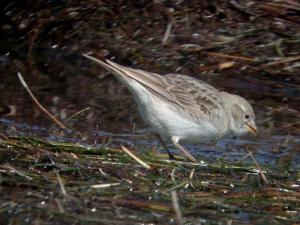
[182,109]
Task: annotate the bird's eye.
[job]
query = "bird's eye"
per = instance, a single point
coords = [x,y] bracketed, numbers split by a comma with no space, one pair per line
[247,116]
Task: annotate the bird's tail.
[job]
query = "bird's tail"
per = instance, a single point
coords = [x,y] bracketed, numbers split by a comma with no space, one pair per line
[153,82]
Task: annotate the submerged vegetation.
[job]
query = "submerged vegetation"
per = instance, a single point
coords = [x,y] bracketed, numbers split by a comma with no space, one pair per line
[63,183]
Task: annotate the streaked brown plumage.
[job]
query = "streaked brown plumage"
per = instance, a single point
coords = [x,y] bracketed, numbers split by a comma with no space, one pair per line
[182,109]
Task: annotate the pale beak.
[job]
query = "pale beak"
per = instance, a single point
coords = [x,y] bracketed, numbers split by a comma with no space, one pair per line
[252,128]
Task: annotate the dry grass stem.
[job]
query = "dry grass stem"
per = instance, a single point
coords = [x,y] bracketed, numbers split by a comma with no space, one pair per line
[167,33]
[264,178]
[176,207]
[21,174]
[59,205]
[38,104]
[62,186]
[104,185]
[285,60]
[142,163]
[222,55]
[79,112]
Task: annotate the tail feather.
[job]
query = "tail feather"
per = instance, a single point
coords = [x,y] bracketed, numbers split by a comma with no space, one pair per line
[153,82]
[104,65]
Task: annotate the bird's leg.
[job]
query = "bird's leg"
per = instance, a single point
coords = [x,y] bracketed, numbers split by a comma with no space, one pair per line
[171,156]
[182,149]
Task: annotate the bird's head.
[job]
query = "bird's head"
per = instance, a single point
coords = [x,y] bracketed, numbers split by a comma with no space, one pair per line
[240,115]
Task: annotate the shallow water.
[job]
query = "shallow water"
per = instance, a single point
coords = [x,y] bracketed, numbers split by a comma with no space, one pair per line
[110,117]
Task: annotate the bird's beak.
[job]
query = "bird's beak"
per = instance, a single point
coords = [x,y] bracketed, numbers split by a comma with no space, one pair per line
[252,128]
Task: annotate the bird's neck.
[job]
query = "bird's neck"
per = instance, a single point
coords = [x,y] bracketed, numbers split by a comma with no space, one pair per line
[228,101]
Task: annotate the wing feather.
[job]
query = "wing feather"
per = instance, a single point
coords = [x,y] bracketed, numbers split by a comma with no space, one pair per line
[198,99]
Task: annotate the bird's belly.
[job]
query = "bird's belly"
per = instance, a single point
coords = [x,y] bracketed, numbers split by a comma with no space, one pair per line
[191,133]
[169,121]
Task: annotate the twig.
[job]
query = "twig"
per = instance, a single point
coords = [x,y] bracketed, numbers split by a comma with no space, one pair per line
[176,207]
[142,163]
[62,186]
[38,104]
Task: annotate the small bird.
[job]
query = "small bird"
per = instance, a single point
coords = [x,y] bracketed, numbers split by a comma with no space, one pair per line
[183,109]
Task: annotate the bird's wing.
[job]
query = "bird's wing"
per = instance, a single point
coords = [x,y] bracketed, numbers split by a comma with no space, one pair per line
[199,99]
[195,97]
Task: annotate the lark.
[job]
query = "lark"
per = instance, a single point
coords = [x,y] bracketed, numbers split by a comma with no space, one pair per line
[183,109]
